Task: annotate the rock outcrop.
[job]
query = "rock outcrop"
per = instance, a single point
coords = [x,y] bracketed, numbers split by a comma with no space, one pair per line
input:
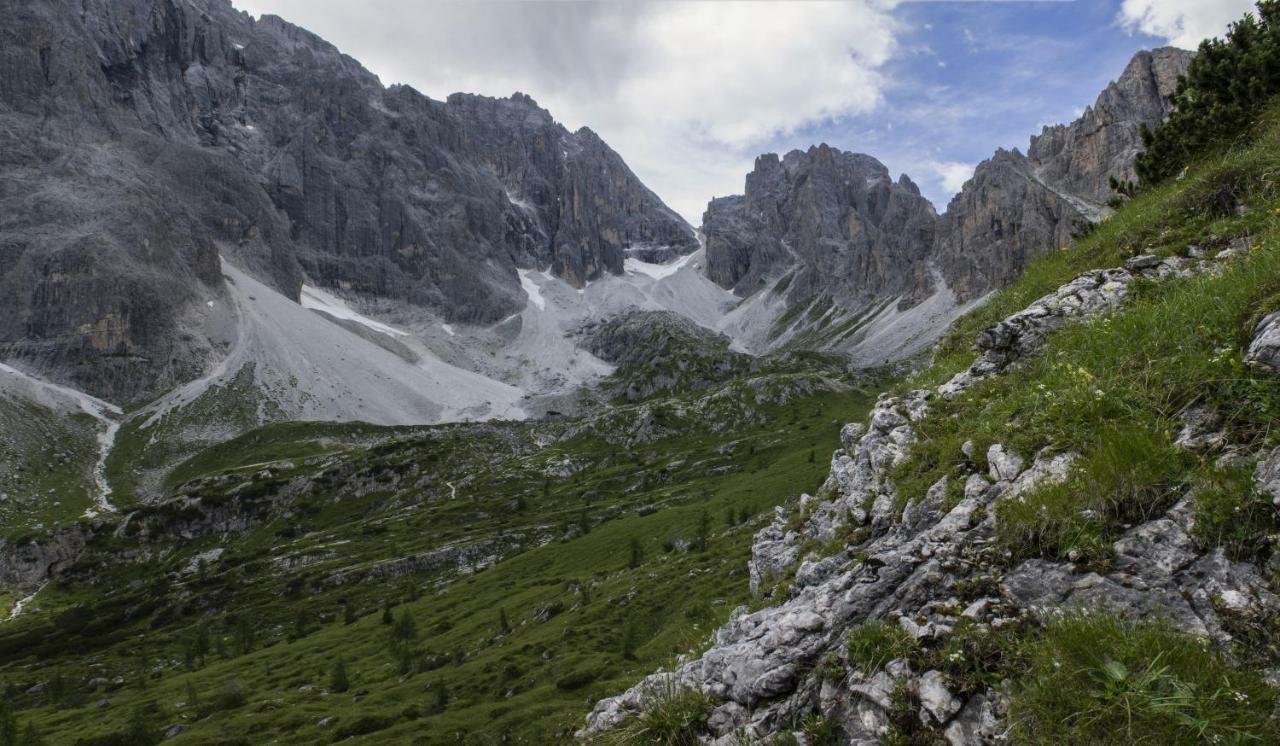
[826,222]
[928,565]
[1264,350]
[1082,157]
[837,220]
[140,139]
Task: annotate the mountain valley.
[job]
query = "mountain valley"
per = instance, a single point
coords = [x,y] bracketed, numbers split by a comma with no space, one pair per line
[333,412]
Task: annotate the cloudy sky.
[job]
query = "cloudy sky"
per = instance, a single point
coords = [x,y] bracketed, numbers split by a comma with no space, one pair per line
[690,92]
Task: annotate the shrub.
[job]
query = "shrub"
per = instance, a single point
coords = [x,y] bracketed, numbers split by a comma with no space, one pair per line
[231,695]
[576,679]
[670,718]
[363,726]
[1100,679]
[1232,515]
[1227,85]
[338,679]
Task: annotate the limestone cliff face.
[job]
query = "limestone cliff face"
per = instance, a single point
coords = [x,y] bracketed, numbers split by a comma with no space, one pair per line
[843,228]
[1003,218]
[141,138]
[1079,158]
[836,220]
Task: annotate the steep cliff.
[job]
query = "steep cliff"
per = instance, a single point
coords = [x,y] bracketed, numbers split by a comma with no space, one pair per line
[141,139]
[829,223]
[838,219]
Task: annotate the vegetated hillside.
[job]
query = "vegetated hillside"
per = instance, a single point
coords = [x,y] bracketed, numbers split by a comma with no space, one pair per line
[1064,535]
[527,568]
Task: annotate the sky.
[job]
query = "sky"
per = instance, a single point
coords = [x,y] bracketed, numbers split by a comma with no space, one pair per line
[691,92]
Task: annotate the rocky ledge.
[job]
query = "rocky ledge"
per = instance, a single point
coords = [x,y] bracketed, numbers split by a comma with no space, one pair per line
[929,566]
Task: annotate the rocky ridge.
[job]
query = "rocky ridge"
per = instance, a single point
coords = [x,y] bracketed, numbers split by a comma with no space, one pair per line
[832,225]
[927,564]
[140,140]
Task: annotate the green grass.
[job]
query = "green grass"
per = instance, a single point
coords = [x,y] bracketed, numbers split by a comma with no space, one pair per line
[46,468]
[1097,679]
[871,646]
[583,622]
[673,718]
[1111,389]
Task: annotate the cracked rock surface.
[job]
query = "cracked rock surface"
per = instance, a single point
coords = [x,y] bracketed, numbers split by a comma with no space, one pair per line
[912,558]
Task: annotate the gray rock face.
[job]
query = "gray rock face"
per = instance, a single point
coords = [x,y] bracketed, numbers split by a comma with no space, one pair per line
[822,215]
[1002,219]
[1080,158]
[1264,350]
[1017,207]
[139,139]
[836,220]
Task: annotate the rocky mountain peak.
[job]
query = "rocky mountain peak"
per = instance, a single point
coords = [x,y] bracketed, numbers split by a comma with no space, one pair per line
[190,130]
[834,216]
[837,225]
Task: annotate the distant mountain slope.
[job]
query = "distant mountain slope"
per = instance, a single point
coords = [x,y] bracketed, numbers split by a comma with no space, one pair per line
[835,244]
[141,138]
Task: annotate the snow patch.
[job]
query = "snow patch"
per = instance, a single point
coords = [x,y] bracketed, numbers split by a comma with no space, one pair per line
[516,200]
[532,290]
[315,299]
[656,271]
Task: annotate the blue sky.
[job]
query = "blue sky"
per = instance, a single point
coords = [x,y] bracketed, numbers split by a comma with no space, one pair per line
[691,92]
[972,77]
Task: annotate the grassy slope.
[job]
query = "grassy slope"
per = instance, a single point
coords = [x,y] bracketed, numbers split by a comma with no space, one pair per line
[386,493]
[1111,391]
[46,467]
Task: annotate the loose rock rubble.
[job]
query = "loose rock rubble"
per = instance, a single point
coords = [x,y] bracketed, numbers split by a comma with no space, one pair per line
[912,560]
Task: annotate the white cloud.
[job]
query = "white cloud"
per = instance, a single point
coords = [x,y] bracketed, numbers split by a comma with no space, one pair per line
[1183,23]
[687,92]
[952,174]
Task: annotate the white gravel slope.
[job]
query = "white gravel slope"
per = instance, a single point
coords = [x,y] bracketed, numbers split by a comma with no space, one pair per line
[316,368]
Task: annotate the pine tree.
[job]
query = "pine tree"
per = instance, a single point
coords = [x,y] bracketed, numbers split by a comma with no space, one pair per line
[637,553]
[31,736]
[338,681]
[140,730]
[387,618]
[1228,84]
[348,614]
[245,637]
[404,629]
[503,626]
[8,725]
[630,638]
[702,537]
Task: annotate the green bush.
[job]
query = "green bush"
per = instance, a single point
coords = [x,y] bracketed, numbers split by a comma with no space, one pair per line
[1228,84]
[1100,679]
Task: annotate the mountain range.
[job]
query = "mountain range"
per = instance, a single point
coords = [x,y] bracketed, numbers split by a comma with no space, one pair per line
[333,412]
